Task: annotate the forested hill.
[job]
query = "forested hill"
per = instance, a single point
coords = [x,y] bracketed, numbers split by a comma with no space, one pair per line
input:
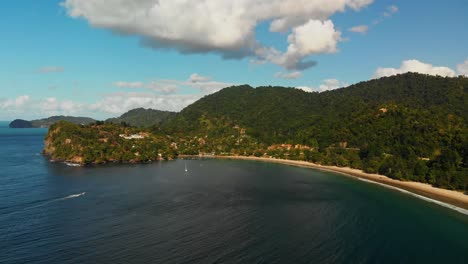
[395,122]
[383,106]
[141,117]
[409,127]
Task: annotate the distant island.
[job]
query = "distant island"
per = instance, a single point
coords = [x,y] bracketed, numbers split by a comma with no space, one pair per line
[409,127]
[20,123]
[47,122]
[139,117]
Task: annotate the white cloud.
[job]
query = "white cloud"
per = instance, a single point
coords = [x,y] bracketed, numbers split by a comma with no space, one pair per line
[331,84]
[168,86]
[288,75]
[52,106]
[223,27]
[157,94]
[21,100]
[118,103]
[301,42]
[391,10]
[164,99]
[361,29]
[110,105]
[314,37]
[121,84]
[51,69]
[462,68]
[415,66]
[18,102]
[24,106]
[165,88]
[195,77]
[307,89]
[326,85]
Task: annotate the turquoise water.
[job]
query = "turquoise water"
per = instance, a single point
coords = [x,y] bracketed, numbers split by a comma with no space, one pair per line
[222,211]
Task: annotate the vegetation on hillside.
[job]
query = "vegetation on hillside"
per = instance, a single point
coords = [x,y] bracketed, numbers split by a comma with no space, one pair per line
[103,143]
[141,117]
[408,127]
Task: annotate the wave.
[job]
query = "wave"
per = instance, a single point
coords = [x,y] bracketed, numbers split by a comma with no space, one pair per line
[453,207]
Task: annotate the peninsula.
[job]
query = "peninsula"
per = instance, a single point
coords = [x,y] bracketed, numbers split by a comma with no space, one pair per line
[409,127]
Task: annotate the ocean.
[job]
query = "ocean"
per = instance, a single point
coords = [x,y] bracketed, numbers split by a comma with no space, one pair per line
[221,211]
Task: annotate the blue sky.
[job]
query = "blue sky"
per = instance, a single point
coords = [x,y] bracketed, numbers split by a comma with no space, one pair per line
[72,57]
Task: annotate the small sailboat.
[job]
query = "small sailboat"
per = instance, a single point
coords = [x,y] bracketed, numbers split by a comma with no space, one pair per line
[186,170]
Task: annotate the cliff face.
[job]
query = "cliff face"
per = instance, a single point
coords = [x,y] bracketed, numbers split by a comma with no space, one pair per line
[20,123]
[49,148]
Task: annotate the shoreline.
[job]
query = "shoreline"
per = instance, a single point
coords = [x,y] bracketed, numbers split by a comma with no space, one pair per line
[447,198]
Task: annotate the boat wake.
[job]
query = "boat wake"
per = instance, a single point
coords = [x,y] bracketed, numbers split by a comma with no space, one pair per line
[45,203]
[72,196]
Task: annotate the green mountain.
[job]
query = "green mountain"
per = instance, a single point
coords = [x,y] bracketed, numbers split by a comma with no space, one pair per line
[47,122]
[141,117]
[408,127]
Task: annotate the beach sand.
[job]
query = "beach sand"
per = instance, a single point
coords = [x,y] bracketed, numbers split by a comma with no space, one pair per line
[437,195]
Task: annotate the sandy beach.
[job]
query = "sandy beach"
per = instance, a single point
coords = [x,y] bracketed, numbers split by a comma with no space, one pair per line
[422,190]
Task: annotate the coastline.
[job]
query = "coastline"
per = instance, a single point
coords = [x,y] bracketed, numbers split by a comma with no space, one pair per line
[447,198]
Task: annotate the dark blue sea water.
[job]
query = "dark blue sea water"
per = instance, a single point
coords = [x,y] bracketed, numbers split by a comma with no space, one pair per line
[220,212]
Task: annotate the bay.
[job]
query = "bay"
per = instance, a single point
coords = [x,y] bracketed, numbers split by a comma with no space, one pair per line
[221,211]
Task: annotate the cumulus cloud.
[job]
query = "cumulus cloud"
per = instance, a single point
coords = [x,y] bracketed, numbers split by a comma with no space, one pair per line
[312,38]
[361,29]
[223,27]
[415,66]
[51,69]
[301,44]
[288,75]
[462,68]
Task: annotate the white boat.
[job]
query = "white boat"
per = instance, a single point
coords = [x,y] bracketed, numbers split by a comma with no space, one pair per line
[72,164]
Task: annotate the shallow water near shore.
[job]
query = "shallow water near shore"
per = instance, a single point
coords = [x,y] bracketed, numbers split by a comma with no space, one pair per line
[221,211]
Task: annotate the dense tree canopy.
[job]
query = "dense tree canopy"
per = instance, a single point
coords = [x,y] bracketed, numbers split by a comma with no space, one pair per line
[408,127]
